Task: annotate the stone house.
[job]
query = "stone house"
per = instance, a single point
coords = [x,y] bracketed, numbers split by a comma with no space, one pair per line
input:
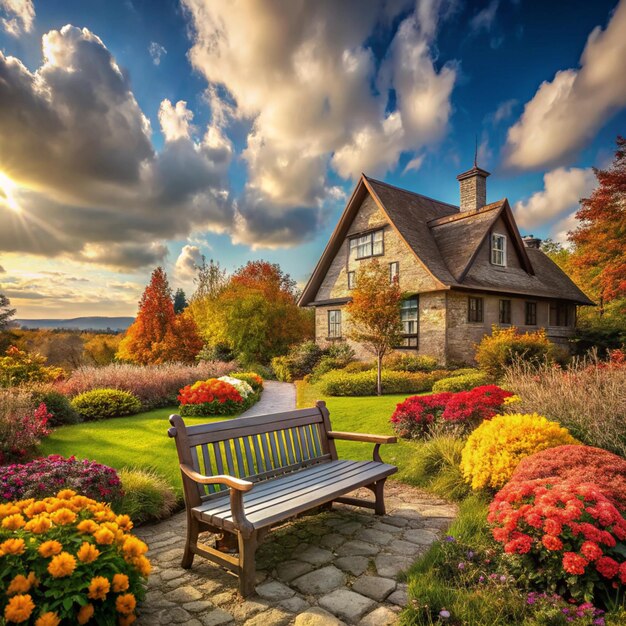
[463,268]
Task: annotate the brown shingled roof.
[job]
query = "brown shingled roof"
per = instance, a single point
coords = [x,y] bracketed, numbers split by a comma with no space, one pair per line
[446,241]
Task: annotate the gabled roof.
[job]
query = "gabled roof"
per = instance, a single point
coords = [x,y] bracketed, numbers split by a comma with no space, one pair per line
[446,241]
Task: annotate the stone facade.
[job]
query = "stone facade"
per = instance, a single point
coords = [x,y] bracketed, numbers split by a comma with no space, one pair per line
[444,329]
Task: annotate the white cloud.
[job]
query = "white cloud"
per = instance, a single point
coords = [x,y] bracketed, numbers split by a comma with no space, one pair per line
[302,74]
[484,19]
[19,16]
[560,230]
[88,180]
[562,190]
[564,114]
[157,52]
[188,261]
[503,112]
[415,163]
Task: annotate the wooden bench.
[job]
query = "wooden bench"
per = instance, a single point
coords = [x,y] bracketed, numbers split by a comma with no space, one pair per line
[242,476]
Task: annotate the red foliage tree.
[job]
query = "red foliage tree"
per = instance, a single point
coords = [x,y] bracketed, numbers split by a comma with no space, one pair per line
[600,239]
[158,335]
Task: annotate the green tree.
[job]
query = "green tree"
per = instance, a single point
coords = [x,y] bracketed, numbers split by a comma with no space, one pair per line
[210,281]
[375,313]
[180,301]
[6,312]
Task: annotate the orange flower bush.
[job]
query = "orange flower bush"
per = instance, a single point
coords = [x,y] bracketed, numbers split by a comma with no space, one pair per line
[565,537]
[210,397]
[69,559]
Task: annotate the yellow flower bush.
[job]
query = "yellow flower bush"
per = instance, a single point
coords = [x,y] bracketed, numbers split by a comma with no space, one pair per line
[494,449]
[69,560]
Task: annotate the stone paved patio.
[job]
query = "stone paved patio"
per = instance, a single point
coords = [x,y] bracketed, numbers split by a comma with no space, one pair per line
[333,568]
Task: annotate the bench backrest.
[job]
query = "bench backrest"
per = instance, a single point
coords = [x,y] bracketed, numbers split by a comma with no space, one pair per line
[255,448]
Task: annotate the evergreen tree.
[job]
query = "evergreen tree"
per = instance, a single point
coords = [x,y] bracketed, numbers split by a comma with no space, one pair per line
[180,301]
[6,312]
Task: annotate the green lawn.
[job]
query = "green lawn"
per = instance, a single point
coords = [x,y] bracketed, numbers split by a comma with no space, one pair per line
[142,441]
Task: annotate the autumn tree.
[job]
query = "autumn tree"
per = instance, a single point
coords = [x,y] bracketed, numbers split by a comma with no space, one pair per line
[375,313]
[600,239]
[256,313]
[6,312]
[210,281]
[180,301]
[158,335]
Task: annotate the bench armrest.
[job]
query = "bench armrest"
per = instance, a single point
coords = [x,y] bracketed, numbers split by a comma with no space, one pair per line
[362,437]
[229,481]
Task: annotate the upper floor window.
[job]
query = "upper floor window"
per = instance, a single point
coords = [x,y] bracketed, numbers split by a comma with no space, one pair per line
[560,314]
[367,245]
[531,314]
[351,280]
[394,271]
[505,312]
[334,324]
[498,250]
[409,314]
[475,310]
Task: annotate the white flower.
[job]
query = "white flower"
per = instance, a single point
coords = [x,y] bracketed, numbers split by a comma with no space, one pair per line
[241,386]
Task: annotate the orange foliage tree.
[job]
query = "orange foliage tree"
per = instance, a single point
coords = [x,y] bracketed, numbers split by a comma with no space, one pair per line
[158,335]
[600,239]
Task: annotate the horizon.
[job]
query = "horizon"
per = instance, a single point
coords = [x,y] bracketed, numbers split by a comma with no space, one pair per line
[136,134]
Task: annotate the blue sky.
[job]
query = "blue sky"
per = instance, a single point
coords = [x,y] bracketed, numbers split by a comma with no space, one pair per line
[283,104]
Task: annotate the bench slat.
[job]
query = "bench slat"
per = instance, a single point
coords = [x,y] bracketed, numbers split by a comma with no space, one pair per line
[208,470]
[242,470]
[281,446]
[260,465]
[316,439]
[229,458]
[296,444]
[249,458]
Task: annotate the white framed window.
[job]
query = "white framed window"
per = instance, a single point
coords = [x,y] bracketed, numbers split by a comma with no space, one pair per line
[409,316]
[498,250]
[394,271]
[351,280]
[367,245]
[334,324]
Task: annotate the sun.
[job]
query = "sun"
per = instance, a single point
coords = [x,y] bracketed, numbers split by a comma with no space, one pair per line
[7,197]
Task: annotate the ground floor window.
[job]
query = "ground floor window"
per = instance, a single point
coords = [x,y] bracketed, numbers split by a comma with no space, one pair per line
[409,316]
[531,314]
[505,312]
[334,324]
[475,310]
[560,314]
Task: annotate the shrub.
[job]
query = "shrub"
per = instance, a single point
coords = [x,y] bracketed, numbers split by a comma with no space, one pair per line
[587,398]
[18,367]
[506,345]
[359,366]
[299,361]
[69,559]
[565,537]
[253,379]
[104,403]
[147,495]
[581,464]
[494,449]
[210,397]
[155,385]
[410,363]
[282,369]
[59,406]
[463,382]
[43,477]
[22,425]
[420,416]
[341,383]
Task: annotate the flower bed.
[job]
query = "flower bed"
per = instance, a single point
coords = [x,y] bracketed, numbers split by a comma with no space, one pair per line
[45,476]
[565,537]
[69,558]
[419,416]
[215,397]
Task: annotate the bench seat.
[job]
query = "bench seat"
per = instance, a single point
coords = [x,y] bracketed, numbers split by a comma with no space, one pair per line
[280,498]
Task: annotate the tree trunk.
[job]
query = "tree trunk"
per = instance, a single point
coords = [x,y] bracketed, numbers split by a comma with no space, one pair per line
[379,375]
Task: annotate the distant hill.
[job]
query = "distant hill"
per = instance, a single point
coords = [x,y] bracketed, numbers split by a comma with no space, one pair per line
[79,323]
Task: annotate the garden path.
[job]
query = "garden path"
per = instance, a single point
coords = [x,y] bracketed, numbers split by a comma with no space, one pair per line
[328,569]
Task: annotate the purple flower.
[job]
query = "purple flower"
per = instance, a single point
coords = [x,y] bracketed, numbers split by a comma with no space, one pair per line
[461,565]
[449,539]
[481,579]
[470,555]
[444,614]
[502,579]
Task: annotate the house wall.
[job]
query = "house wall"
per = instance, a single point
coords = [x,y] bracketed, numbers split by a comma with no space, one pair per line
[463,335]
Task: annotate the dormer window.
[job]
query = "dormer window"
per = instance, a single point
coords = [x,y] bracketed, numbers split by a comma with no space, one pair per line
[498,250]
[367,245]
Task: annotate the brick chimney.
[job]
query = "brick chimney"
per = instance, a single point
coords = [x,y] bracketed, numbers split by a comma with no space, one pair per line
[473,188]
[531,242]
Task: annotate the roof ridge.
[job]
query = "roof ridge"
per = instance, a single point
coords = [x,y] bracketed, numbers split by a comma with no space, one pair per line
[413,193]
[446,219]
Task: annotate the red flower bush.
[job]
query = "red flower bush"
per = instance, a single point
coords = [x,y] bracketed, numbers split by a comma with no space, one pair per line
[415,417]
[580,464]
[209,397]
[565,537]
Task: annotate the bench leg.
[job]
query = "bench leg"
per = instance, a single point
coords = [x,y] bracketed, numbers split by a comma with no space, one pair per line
[247,566]
[193,530]
[379,487]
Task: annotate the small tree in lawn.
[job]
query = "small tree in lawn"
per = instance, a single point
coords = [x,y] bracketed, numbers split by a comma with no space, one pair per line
[375,313]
